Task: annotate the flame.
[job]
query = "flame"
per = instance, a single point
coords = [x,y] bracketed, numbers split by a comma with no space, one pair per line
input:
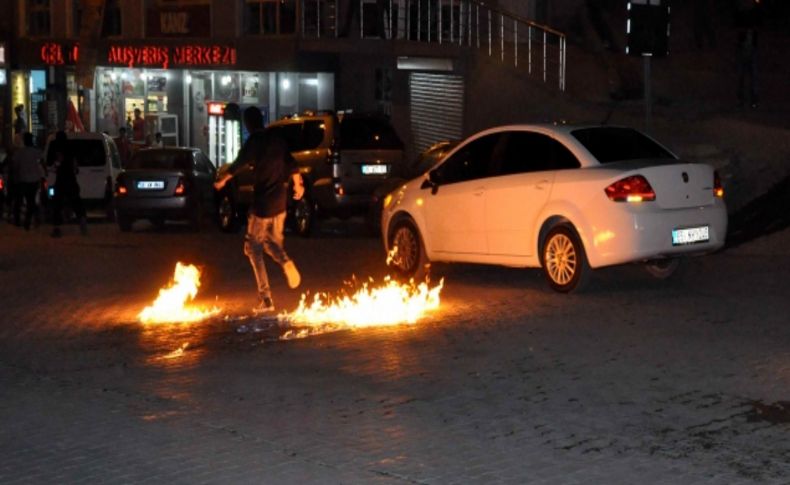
[171,304]
[391,303]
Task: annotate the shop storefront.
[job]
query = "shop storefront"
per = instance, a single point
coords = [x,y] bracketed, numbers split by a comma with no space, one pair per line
[179,90]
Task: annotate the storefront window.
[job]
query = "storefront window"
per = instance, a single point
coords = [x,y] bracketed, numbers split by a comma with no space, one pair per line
[189,106]
[38,18]
[270,17]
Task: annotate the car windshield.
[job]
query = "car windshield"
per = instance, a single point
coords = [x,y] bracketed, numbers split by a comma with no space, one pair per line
[368,134]
[611,144]
[161,160]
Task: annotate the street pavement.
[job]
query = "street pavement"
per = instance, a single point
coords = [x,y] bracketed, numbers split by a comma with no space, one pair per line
[632,381]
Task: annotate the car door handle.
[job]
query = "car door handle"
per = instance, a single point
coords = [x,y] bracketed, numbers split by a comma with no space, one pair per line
[541,185]
[479,191]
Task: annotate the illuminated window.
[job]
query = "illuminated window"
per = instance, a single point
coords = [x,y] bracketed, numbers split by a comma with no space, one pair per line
[38,18]
[270,17]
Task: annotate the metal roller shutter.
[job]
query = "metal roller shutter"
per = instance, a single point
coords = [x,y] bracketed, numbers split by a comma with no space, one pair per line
[437,108]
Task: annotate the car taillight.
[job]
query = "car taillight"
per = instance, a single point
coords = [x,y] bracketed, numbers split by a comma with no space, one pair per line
[1,184]
[120,188]
[718,188]
[635,188]
[181,187]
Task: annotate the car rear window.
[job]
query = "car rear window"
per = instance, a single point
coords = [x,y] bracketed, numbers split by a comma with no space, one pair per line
[368,134]
[611,144]
[88,153]
[161,160]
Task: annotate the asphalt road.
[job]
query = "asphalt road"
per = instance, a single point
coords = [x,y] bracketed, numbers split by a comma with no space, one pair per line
[634,380]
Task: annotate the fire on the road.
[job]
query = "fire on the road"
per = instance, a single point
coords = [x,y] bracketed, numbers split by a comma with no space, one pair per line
[392,303]
[173,303]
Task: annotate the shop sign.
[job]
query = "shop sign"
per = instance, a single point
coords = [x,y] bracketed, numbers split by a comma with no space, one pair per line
[172,56]
[217,109]
[179,21]
[57,54]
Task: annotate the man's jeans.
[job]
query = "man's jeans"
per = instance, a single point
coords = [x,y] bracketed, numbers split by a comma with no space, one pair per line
[264,234]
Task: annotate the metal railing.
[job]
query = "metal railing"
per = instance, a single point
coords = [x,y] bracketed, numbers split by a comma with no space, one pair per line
[538,49]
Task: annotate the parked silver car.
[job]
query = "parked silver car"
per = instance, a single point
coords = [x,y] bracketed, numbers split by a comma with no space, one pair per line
[162,184]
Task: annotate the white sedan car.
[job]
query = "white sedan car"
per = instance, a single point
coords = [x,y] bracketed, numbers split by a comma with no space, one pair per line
[564,198]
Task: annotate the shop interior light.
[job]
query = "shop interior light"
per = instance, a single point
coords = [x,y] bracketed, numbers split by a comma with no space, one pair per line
[113,76]
[286,84]
[189,78]
[310,82]
[124,76]
[226,80]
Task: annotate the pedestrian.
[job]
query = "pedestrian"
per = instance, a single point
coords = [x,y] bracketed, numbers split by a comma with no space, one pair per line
[28,175]
[67,189]
[158,142]
[138,126]
[20,125]
[123,145]
[273,167]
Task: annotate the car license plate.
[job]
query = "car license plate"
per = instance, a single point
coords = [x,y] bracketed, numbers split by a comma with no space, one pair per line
[150,184]
[375,169]
[690,235]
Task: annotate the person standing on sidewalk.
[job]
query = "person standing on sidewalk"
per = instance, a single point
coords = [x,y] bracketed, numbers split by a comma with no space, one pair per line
[28,174]
[67,189]
[273,167]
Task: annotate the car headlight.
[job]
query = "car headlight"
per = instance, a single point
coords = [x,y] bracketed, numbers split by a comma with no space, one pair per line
[387,200]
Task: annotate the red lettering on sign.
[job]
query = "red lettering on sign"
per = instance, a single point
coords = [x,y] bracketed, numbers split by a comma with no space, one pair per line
[162,56]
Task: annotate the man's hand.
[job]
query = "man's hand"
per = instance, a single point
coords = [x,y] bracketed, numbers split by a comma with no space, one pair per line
[298,186]
[220,183]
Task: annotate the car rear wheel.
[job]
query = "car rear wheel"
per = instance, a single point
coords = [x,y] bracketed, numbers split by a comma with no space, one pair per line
[663,269]
[303,216]
[407,251]
[228,221]
[564,261]
[124,222]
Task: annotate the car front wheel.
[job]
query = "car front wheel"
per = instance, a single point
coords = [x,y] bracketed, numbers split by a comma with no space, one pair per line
[564,262]
[407,251]
[228,221]
[303,216]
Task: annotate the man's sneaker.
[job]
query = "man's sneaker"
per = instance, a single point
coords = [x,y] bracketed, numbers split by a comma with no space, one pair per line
[266,305]
[292,274]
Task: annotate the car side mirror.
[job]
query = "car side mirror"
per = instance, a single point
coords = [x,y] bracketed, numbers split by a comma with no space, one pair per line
[433,180]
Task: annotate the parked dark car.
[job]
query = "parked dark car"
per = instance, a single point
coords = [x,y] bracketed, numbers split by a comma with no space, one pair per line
[161,184]
[343,159]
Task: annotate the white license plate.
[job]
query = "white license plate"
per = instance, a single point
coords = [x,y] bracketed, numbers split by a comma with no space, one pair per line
[375,169]
[151,184]
[690,235]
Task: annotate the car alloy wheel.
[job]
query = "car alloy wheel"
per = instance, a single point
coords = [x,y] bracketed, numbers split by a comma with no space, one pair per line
[227,214]
[564,262]
[303,216]
[409,259]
